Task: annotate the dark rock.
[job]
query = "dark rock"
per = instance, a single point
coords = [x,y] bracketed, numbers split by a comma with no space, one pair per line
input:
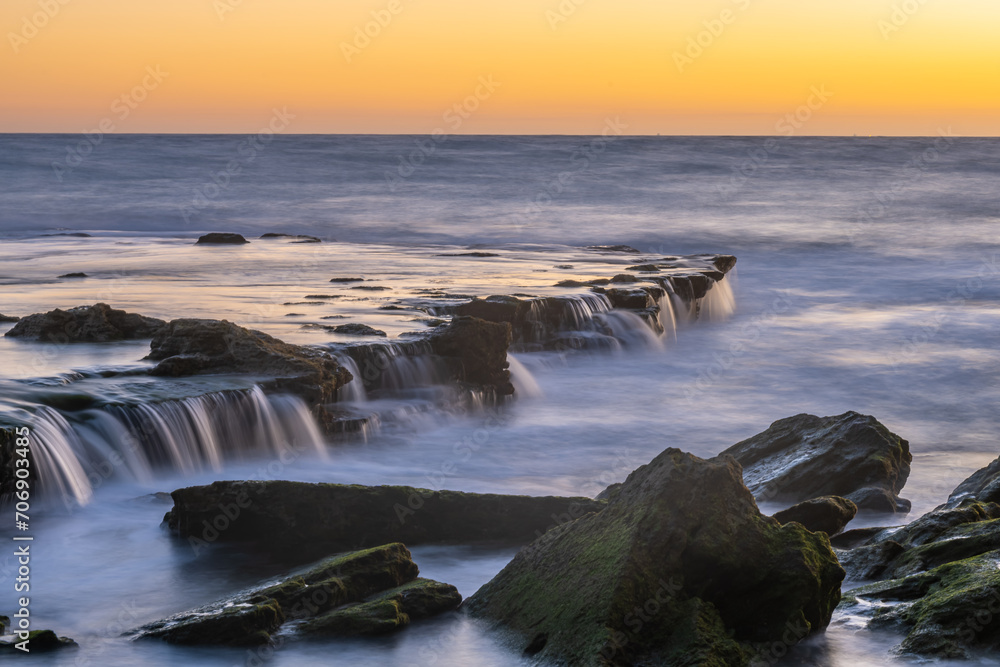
[85,324]
[4,624]
[39,641]
[300,238]
[387,611]
[724,263]
[613,248]
[564,266]
[982,485]
[636,299]
[828,514]
[645,268]
[313,519]
[365,580]
[683,544]
[949,612]
[624,278]
[580,283]
[79,235]
[476,352]
[855,537]
[196,347]
[217,238]
[74,275]
[346,280]
[471,254]
[372,288]
[323,296]
[805,457]
[944,535]
[8,318]
[355,329]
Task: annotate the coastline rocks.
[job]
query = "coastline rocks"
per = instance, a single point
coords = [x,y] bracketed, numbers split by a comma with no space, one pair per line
[218,238]
[355,329]
[614,248]
[948,612]
[74,275]
[304,519]
[85,324]
[8,318]
[39,641]
[829,514]
[982,485]
[680,568]
[354,594]
[805,457]
[475,352]
[944,535]
[195,347]
[347,280]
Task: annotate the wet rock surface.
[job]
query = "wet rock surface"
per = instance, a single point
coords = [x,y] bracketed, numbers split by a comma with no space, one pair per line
[805,457]
[982,485]
[193,347]
[301,518]
[683,543]
[4,319]
[99,323]
[361,593]
[829,514]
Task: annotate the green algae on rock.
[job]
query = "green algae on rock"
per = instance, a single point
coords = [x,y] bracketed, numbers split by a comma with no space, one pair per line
[38,641]
[951,611]
[680,567]
[366,592]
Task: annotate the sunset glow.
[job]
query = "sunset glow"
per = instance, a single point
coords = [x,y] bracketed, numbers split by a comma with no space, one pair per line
[723,67]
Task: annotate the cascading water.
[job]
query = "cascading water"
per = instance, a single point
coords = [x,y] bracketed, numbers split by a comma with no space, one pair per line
[525,385]
[720,303]
[76,454]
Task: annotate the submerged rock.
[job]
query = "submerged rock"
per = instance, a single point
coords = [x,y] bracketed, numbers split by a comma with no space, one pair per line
[829,514]
[805,457]
[347,280]
[74,275]
[613,248]
[680,568]
[221,238]
[85,324]
[360,593]
[951,611]
[196,347]
[309,519]
[470,254]
[355,329]
[38,641]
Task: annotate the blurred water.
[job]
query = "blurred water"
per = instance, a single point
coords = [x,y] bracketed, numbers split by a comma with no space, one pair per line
[868,279]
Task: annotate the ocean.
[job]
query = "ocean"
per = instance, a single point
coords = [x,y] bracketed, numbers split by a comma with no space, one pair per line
[868,279]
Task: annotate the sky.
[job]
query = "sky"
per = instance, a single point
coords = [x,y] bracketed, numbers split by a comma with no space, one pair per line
[731,67]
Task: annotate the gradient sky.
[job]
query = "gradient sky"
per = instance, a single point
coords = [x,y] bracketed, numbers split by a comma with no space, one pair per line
[560,67]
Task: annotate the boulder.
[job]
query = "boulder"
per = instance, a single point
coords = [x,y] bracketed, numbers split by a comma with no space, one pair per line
[681,568]
[221,238]
[982,485]
[805,457]
[387,611]
[944,535]
[476,352]
[39,641]
[950,612]
[829,514]
[306,520]
[85,324]
[360,593]
[196,347]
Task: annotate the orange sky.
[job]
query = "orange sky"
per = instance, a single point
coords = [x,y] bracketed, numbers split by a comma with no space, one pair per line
[556,66]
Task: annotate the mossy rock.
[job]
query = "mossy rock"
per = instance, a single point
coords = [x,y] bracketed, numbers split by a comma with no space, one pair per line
[387,611]
[39,641]
[952,611]
[681,534]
